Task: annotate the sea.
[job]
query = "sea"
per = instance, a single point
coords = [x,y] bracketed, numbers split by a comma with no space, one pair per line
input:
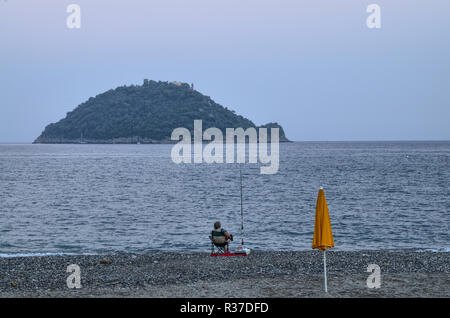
[103,199]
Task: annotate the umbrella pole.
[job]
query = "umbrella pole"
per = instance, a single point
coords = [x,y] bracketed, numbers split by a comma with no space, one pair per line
[325,270]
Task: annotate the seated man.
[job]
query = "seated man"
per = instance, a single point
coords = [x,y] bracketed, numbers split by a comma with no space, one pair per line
[220,236]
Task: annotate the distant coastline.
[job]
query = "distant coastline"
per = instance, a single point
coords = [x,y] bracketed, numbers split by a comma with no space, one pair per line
[120,141]
[146,114]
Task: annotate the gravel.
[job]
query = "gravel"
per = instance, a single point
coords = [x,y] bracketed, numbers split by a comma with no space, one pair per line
[262,273]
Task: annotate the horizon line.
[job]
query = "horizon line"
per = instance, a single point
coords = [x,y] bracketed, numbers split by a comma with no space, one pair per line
[348,140]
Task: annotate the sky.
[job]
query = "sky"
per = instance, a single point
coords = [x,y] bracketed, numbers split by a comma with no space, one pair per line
[313,66]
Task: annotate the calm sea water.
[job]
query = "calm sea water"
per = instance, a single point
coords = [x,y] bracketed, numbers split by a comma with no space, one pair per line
[133,198]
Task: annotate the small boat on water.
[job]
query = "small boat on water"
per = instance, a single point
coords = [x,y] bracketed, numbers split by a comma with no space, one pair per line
[81,139]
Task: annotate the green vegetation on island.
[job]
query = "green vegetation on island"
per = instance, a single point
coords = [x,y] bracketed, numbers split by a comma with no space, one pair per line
[145,113]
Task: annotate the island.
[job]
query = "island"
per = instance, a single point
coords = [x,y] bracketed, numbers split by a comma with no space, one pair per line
[145,114]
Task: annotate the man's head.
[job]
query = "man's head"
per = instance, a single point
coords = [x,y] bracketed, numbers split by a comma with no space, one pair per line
[217,225]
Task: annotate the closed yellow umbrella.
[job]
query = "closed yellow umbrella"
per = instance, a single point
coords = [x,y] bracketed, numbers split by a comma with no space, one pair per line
[323,236]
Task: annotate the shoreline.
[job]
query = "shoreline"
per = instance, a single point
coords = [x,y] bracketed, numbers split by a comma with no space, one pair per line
[261,274]
[159,252]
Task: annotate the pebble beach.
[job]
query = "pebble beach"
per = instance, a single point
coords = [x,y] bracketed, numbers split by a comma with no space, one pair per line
[261,274]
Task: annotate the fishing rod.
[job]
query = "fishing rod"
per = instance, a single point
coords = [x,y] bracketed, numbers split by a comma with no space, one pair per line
[242,208]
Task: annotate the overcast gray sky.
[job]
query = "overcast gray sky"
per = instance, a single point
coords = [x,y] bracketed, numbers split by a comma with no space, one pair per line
[313,66]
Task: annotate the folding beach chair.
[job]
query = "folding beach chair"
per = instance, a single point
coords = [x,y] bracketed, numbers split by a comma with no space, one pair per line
[219,243]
